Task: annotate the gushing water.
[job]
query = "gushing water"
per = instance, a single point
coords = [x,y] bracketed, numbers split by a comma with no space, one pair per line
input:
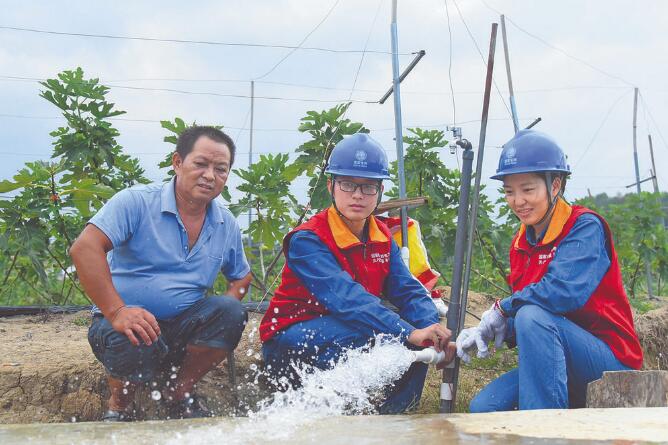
[354,386]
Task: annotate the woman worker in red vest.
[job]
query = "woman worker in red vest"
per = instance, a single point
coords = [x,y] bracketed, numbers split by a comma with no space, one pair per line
[568,315]
[339,265]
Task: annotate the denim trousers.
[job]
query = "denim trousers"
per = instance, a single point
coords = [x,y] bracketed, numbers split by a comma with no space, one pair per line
[557,359]
[319,342]
[213,322]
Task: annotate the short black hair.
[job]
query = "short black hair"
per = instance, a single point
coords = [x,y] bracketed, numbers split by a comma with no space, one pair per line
[187,139]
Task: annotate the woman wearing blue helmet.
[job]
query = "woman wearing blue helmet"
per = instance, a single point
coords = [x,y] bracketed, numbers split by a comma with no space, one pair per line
[339,264]
[568,314]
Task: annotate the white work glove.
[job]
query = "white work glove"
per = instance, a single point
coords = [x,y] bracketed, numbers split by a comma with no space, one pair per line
[469,338]
[441,307]
[493,325]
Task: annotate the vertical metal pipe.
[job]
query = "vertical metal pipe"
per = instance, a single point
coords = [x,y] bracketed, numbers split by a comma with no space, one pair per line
[463,237]
[513,107]
[655,182]
[250,162]
[478,171]
[398,130]
[648,270]
[635,145]
[449,377]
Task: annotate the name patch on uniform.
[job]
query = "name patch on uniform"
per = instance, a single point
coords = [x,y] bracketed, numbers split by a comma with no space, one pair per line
[381,258]
[545,257]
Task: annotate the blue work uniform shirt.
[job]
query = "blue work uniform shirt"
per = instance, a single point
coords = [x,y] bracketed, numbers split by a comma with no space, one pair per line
[151,265]
[315,265]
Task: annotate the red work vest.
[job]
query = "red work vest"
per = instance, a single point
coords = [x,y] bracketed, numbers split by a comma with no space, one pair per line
[368,264]
[607,313]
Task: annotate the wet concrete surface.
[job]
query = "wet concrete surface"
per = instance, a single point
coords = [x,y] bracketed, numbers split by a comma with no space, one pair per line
[587,426]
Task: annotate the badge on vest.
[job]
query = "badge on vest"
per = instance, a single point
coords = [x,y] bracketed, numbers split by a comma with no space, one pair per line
[381,258]
[545,257]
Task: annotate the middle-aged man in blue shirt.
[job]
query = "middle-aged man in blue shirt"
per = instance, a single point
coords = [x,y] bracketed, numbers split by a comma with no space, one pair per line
[146,260]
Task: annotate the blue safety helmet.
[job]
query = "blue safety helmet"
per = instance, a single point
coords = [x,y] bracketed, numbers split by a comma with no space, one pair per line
[531,151]
[358,156]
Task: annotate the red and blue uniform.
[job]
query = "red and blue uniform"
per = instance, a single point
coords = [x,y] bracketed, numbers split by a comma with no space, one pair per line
[330,299]
[568,313]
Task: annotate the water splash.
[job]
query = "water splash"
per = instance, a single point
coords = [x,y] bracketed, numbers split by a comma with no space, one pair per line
[354,386]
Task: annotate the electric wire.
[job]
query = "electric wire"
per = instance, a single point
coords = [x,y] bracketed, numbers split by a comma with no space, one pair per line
[197,42]
[324,156]
[292,51]
[291,130]
[556,48]
[598,130]
[452,91]
[112,83]
[468,30]
[243,126]
[651,116]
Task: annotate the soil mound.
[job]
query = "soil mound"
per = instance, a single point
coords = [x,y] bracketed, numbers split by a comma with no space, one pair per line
[49,374]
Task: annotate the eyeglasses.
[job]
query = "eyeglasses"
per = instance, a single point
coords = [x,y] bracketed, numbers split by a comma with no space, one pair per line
[366,189]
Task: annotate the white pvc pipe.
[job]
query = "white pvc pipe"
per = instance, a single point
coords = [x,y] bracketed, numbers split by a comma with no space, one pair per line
[429,356]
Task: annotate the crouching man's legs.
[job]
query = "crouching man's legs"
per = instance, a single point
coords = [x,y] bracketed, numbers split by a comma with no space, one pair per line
[197,341]
[200,339]
[126,365]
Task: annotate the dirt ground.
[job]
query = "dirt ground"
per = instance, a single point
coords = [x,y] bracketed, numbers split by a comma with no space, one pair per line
[49,374]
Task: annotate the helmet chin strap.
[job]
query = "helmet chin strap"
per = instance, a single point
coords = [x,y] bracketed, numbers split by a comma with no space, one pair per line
[552,202]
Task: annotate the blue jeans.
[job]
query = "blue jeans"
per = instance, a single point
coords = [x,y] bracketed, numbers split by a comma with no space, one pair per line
[557,359]
[319,342]
[214,322]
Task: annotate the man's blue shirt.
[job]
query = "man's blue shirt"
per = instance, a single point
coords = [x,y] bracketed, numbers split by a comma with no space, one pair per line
[151,265]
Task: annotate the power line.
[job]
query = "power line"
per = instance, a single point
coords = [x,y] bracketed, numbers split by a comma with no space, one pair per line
[452,91]
[292,51]
[111,82]
[651,116]
[605,119]
[366,44]
[157,121]
[556,48]
[214,94]
[241,96]
[461,16]
[196,42]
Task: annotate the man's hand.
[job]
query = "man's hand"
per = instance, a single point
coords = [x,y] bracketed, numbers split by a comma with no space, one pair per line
[131,320]
[450,352]
[436,334]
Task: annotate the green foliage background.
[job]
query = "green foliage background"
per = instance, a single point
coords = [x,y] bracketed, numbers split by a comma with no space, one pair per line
[53,199]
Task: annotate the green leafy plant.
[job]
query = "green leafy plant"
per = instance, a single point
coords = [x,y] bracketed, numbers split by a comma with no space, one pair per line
[326,128]
[52,200]
[266,188]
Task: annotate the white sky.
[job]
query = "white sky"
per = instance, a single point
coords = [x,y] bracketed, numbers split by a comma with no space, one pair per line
[623,40]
